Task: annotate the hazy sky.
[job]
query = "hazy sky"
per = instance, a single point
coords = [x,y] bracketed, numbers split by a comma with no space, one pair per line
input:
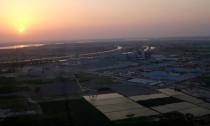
[36,20]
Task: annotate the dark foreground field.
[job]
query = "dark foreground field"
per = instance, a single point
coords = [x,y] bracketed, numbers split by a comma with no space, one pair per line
[80,113]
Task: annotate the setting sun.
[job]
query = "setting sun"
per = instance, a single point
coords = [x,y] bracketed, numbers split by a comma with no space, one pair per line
[21,26]
[82,19]
[22,23]
[21,16]
[21,30]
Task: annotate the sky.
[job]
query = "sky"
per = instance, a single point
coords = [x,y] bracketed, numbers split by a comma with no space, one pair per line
[46,20]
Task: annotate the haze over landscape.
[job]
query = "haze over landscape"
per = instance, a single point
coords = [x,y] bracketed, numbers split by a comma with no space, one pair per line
[104,62]
[38,20]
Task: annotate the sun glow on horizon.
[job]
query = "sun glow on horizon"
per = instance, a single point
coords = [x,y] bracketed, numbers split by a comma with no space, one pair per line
[21,30]
[20,17]
[82,19]
[22,23]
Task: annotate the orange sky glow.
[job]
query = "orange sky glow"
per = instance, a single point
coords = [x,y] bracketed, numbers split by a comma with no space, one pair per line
[37,20]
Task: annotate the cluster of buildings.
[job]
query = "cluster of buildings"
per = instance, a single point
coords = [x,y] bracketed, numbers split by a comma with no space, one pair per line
[147,83]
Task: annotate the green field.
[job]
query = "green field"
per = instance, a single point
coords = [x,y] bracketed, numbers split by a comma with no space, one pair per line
[206,80]
[14,103]
[63,113]
[159,101]
[86,77]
